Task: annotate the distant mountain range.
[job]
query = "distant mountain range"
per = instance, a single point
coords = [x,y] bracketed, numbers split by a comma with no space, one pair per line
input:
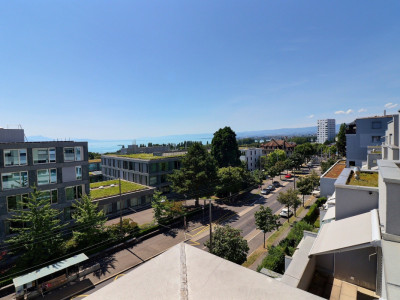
[188,137]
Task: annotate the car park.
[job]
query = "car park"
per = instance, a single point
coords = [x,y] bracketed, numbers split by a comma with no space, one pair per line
[285,213]
[271,187]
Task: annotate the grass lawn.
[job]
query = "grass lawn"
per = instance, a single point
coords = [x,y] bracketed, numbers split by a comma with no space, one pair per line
[109,190]
[366,179]
[147,156]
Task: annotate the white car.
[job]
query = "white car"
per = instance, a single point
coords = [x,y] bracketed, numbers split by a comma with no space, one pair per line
[316,193]
[284,213]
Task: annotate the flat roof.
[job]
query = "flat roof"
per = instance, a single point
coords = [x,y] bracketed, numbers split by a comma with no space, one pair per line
[97,160]
[185,272]
[352,233]
[389,170]
[110,188]
[148,156]
[330,213]
[336,169]
[366,179]
[32,276]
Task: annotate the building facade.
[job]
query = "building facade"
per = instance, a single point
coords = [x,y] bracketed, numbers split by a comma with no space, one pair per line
[59,169]
[273,145]
[362,133]
[326,130]
[391,143]
[251,156]
[152,172]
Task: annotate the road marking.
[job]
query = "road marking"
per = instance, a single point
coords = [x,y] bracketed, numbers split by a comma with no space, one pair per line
[119,275]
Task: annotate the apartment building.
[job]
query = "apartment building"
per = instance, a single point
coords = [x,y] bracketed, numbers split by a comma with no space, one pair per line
[251,156]
[273,145]
[326,130]
[361,134]
[143,168]
[59,169]
[391,143]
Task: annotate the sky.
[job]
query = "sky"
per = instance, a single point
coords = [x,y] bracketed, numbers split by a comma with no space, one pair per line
[130,69]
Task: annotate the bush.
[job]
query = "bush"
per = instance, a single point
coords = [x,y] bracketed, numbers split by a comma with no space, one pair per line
[275,260]
[313,212]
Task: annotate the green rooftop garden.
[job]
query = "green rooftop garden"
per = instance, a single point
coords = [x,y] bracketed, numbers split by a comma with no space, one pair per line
[108,190]
[147,156]
[366,179]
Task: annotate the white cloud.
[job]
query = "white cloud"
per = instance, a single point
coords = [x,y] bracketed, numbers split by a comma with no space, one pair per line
[342,112]
[362,110]
[390,105]
[311,116]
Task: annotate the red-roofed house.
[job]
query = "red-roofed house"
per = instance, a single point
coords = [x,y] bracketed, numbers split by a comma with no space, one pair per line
[272,145]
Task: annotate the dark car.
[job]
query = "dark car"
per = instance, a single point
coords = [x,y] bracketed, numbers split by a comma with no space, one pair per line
[265,191]
[276,184]
[271,187]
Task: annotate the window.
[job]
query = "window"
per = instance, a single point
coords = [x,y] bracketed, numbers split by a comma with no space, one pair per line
[376,125]
[73,192]
[16,202]
[46,176]
[153,168]
[67,213]
[10,227]
[153,180]
[78,172]
[78,155]
[69,154]
[14,180]
[376,139]
[15,157]
[44,155]
[107,209]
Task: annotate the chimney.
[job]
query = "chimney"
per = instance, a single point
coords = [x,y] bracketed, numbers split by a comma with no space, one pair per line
[384,112]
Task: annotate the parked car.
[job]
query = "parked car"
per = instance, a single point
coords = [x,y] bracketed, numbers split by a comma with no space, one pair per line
[285,214]
[288,175]
[276,184]
[316,193]
[271,187]
[265,191]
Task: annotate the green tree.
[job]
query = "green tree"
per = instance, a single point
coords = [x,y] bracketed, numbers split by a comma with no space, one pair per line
[198,174]
[89,220]
[305,186]
[165,209]
[280,167]
[288,198]
[38,229]
[230,180]
[341,140]
[272,172]
[297,160]
[314,178]
[224,148]
[229,244]
[306,150]
[288,165]
[266,220]
[274,157]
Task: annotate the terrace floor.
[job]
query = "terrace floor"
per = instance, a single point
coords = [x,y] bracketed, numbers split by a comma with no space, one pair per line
[335,289]
[336,170]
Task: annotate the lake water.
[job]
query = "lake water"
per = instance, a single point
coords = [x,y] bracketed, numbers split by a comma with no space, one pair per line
[114,145]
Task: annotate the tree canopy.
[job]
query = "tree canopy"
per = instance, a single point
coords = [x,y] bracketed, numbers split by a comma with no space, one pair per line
[229,244]
[198,174]
[288,198]
[305,186]
[38,229]
[224,148]
[266,220]
[341,140]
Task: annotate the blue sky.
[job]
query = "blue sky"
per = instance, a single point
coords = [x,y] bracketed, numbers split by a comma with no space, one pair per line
[130,69]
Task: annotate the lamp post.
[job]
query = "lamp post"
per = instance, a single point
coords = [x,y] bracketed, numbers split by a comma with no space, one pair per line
[210,228]
[120,203]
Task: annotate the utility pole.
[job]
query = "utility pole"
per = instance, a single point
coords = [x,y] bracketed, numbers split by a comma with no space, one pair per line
[120,203]
[294,179]
[210,229]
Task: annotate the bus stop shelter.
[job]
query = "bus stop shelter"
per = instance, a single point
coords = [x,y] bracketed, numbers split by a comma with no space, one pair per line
[29,282]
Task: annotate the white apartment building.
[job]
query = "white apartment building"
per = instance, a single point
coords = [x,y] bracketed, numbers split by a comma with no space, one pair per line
[326,130]
[251,156]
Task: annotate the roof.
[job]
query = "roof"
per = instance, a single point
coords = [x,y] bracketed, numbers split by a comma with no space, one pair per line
[110,188]
[352,233]
[300,260]
[391,265]
[389,170]
[32,276]
[185,272]
[97,160]
[335,170]
[278,144]
[148,156]
[376,117]
[330,214]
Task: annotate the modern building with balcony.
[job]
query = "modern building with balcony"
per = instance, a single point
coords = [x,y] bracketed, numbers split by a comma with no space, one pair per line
[142,168]
[364,132]
[57,168]
[391,144]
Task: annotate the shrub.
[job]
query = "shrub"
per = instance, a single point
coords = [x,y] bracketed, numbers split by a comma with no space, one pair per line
[275,260]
